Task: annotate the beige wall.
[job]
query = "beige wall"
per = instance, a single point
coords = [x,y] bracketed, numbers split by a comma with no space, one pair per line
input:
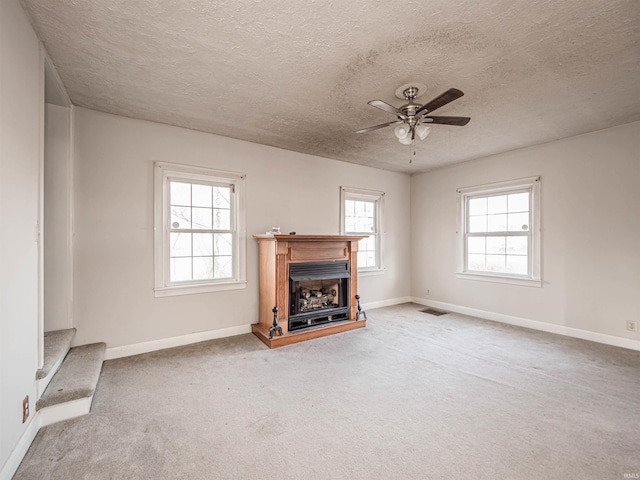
[590,232]
[57,218]
[20,118]
[113,254]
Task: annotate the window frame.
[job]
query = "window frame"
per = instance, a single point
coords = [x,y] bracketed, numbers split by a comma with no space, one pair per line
[165,172]
[377,197]
[531,185]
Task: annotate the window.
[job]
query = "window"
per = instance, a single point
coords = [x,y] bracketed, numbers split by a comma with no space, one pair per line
[199,230]
[499,237]
[361,214]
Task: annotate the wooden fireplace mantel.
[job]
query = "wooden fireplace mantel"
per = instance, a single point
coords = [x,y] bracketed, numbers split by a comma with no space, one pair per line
[276,253]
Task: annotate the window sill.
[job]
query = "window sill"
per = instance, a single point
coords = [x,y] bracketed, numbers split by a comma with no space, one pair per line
[370,273]
[527,282]
[193,289]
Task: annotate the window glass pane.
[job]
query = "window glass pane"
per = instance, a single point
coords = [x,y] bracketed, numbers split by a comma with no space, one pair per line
[202,218]
[362,258]
[478,224]
[518,202]
[180,269]
[350,224]
[496,263]
[517,264]
[223,244]
[202,245]
[180,193]
[369,209]
[496,244]
[221,219]
[222,267]
[476,262]
[370,242]
[180,245]
[518,222]
[496,223]
[476,245]
[202,268]
[222,197]
[517,245]
[497,204]
[371,259]
[477,206]
[349,208]
[180,217]
[201,195]
[367,225]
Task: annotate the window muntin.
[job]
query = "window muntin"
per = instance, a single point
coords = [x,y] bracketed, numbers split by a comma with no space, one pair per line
[201,233]
[199,230]
[361,215]
[360,219]
[499,233]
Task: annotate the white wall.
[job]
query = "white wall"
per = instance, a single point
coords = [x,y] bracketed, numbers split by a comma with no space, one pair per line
[113,211]
[20,118]
[590,232]
[57,218]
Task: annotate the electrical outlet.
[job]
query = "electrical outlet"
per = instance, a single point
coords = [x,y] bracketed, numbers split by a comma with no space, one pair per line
[25,409]
[632,325]
[428,292]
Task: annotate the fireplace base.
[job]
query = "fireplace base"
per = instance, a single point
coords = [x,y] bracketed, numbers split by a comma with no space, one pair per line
[305,334]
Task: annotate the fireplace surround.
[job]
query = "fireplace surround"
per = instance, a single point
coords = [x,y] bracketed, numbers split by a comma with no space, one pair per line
[308,287]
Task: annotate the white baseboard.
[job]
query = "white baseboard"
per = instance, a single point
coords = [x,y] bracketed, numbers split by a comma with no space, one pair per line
[533,324]
[386,303]
[13,462]
[65,411]
[161,344]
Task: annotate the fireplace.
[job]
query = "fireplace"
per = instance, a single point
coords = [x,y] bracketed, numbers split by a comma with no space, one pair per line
[318,293]
[308,287]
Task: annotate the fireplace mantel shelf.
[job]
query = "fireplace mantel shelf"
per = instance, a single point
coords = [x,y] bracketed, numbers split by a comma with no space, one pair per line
[308,238]
[276,253]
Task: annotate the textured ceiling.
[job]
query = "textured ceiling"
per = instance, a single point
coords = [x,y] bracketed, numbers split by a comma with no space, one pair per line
[298,74]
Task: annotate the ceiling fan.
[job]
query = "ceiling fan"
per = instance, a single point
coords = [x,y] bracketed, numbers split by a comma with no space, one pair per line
[414,118]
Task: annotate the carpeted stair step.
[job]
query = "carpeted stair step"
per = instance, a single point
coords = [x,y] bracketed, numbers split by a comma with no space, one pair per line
[77,377]
[56,346]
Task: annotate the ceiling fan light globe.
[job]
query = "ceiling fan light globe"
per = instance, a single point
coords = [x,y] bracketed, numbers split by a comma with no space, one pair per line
[422,131]
[405,141]
[401,131]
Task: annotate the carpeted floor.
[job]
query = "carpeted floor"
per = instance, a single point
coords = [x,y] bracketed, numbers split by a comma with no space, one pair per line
[412,396]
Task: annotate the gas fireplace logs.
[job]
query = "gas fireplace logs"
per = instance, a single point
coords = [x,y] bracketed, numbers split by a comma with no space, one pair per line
[313,299]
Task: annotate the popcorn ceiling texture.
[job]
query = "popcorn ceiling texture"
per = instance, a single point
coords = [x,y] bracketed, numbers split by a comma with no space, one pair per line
[297,75]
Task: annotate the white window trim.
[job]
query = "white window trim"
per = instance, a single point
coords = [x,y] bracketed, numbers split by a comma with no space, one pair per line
[533,183]
[162,171]
[370,195]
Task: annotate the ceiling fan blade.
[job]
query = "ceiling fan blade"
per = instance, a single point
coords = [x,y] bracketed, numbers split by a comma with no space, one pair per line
[458,121]
[447,97]
[371,129]
[388,108]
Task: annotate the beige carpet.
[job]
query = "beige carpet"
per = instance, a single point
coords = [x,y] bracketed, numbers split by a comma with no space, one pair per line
[412,396]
